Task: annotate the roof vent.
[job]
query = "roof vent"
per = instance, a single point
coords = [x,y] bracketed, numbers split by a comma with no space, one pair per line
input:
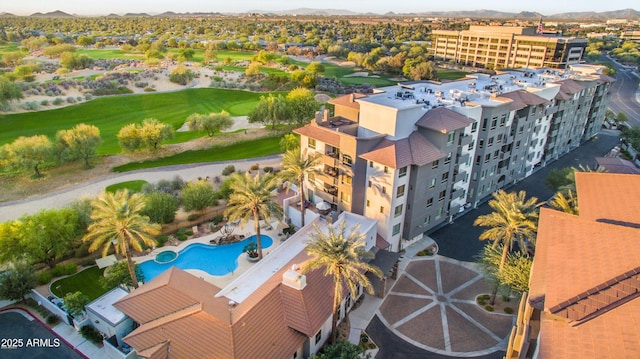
[295,267]
[232,303]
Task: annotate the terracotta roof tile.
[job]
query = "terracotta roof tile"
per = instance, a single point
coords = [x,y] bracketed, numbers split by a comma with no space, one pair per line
[617,165]
[322,134]
[412,150]
[521,99]
[348,100]
[609,197]
[443,120]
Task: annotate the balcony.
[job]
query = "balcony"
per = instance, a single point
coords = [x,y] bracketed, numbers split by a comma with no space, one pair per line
[462,159]
[332,190]
[465,140]
[456,193]
[330,171]
[333,153]
[457,177]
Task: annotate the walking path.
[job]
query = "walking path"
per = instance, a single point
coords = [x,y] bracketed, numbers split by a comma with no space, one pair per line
[14,209]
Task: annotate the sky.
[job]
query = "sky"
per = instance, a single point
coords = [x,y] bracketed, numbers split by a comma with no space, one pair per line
[105,7]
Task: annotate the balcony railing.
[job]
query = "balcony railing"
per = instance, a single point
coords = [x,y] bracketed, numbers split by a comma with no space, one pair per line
[330,171]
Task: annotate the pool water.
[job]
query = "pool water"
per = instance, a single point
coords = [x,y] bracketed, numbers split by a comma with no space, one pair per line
[166,256]
[215,260]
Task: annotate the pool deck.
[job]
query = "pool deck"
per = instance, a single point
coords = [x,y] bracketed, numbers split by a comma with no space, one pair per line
[243,263]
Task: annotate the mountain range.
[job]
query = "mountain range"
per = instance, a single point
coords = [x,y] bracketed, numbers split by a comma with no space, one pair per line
[629,14]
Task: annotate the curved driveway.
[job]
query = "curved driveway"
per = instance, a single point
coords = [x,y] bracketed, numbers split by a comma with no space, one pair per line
[14,209]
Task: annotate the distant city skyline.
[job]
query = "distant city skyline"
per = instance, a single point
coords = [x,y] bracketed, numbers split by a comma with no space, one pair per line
[84,7]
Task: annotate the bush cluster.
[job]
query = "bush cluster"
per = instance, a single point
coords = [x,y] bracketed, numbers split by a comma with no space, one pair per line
[91,334]
[228,170]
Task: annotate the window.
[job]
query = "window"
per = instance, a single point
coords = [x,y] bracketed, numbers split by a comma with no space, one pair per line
[397,211]
[346,179]
[368,203]
[430,202]
[483,174]
[517,144]
[400,191]
[427,219]
[439,213]
[386,169]
[471,145]
[480,143]
[381,209]
[448,159]
[319,336]
[369,183]
[312,143]
[442,195]
[345,197]
[484,124]
[347,161]
[450,137]
[474,127]
[435,164]
[445,177]
[371,164]
[494,123]
[396,229]
[432,183]
[496,154]
[384,190]
[402,172]
[503,120]
[499,138]
[487,158]
[490,142]
[478,159]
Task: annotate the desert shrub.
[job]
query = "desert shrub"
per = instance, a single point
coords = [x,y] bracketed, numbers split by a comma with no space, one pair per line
[193,216]
[267,169]
[161,240]
[481,301]
[88,97]
[44,278]
[149,89]
[508,310]
[506,299]
[488,308]
[52,319]
[64,270]
[91,334]
[88,262]
[30,106]
[228,170]
[44,103]
[255,166]
[217,219]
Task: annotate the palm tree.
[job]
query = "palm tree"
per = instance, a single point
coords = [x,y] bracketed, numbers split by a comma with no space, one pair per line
[514,218]
[252,197]
[295,166]
[340,255]
[566,203]
[117,221]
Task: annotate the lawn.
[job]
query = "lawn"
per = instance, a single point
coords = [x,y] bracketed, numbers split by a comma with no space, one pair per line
[110,114]
[109,54]
[241,150]
[445,74]
[85,282]
[10,47]
[133,186]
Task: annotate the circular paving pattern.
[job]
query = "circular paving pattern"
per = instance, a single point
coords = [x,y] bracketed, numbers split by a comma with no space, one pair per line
[432,306]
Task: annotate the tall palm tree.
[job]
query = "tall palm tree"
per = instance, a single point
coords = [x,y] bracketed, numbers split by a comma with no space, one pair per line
[567,203]
[514,218]
[117,221]
[295,166]
[340,255]
[253,197]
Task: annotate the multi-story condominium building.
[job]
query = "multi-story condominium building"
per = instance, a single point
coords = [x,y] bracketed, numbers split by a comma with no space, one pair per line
[500,47]
[412,156]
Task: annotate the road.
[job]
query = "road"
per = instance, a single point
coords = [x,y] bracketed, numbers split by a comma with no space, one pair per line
[624,93]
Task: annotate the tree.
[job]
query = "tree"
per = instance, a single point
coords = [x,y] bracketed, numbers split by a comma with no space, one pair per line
[632,136]
[160,207]
[80,142]
[515,272]
[8,91]
[289,141]
[49,234]
[197,196]
[270,110]
[154,132]
[210,123]
[30,153]
[296,165]
[340,254]
[558,178]
[252,70]
[129,137]
[301,104]
[181,75]
[11,244]
[514,218]
[75,303]
[118,222]
[210,55]
[566,203]
[118,274]
[621,118]
[253,197]
[316,67]
[420,70]
[342,349]
[17,282]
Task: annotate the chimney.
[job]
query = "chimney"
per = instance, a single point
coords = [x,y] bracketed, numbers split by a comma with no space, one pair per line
[325,116]
[318,118]
[295,280]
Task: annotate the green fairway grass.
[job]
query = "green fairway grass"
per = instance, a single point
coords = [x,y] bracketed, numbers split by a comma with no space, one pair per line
[241,150]
[109,54]
[85,282]
[134,186]
[110,114]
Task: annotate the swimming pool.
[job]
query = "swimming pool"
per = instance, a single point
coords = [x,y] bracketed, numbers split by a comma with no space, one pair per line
[215,260]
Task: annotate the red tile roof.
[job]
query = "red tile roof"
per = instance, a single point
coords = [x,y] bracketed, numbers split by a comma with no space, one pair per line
[443,120]
[521,99]
[412,150]
[567,88]
[586,272]
[348,100]
[617,165]
[319,133]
